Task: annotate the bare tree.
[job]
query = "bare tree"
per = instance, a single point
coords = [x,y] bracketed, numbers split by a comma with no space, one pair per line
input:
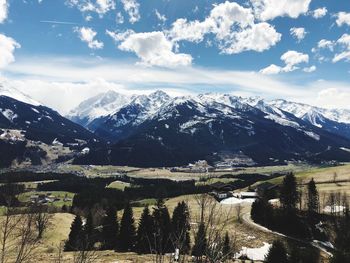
[8,226]
[42,219]
[59,256]
[216,220]
[335,176]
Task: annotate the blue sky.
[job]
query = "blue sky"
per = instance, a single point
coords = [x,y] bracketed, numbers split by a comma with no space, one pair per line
[83,47]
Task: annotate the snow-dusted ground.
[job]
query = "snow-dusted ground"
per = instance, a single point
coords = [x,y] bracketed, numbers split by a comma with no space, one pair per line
[335,209]
[255,253]
[236,201]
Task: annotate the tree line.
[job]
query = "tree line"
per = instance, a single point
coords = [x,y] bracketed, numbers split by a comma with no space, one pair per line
[157,233]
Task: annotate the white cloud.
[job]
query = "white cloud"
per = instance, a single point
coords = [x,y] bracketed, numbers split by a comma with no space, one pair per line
[120,36]
[3,10]
[310,69]
[154,49]
[323,43]
[270,9]
[71,76]
[342,56]
[87,34]
[298,32]
[7,47]
[259,37]
[319,12]
[271,70]
[100,7]
[291,60]
[233,27]
[161,18]
[343,18]
[132,8]
[337,96]
[343,41]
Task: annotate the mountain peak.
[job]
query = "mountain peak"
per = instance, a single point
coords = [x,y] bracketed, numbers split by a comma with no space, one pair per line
[159,94]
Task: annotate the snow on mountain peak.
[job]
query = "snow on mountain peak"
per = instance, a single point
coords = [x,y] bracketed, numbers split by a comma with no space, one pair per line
[102,104]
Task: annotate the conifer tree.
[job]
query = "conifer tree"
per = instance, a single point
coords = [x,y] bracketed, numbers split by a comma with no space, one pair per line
[289,194]
[75,236]
[88,233]
[127,232]
[144,237]
[162,228]
[277,253]
[200,242]
[181,227]
[313,198]
[110,228]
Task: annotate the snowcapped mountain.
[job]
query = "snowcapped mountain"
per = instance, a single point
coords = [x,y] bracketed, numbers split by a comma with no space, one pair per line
[120,124]
[98,106]
[300,110]
[336,121]
[157,130]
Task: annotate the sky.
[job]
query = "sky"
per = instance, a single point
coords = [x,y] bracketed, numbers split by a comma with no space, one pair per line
[62,52]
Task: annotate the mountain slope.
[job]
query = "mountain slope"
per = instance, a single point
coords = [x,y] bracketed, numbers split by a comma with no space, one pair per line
[35,132]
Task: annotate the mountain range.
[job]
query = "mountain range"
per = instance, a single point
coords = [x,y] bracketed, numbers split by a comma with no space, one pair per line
[157,130]
[161,130]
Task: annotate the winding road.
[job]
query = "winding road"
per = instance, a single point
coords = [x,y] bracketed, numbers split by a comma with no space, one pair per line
[317,244]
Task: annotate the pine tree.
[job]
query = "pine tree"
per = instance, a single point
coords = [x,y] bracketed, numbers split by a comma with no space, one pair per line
[144,237]
[277,253]
[181,227]
[313,198]
[88,233]
[162,228]
[289,194]
[127,233]
[262,212]
[200,242]
[226,248]
[110,228]
[75,236]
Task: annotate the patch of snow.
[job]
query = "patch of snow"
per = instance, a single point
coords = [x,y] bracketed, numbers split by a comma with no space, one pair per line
[9,114]
[166,126]
[48,117]
[35,110]
[274,201]
[344,149]
[312,135]
[282,121]
[334,209]
[236,201]
[57,142]
[86,150]
[255,253]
